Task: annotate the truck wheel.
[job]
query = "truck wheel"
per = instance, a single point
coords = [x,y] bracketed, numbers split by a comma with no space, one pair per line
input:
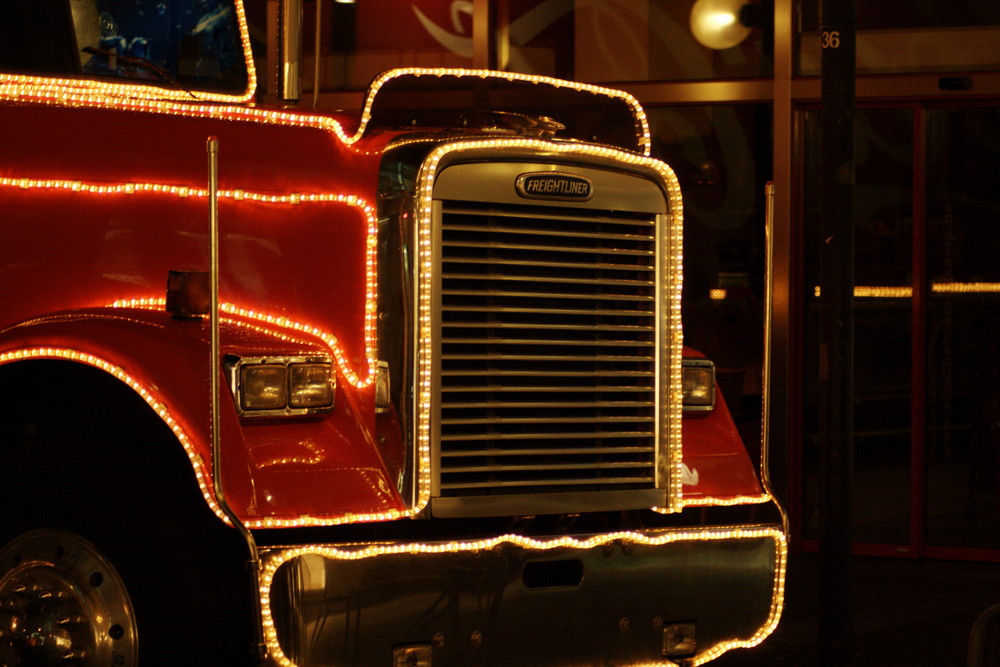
[95,487]
[62,602]
[121,564]
[105,555]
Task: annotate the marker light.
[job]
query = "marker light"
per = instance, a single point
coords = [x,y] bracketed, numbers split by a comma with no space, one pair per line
[383,399]
[698,377]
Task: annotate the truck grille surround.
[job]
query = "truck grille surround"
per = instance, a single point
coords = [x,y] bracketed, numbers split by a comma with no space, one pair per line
[548,357]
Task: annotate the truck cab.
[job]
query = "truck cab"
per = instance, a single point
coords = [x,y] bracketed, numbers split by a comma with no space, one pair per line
[399,385]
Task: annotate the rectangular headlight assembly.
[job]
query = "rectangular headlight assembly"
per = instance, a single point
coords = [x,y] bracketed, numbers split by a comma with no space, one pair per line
[698,378]
[282,386]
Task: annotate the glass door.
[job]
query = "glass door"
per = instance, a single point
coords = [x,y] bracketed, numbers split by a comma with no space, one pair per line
[926,317]
[962,450]
[883,313]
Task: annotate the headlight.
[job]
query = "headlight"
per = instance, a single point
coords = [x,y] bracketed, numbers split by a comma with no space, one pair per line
[263,387]
[282,386]
[699,384]
[310,385]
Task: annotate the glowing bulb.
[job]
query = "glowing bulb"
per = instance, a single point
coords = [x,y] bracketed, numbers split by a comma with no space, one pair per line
[716,23]
[720,20]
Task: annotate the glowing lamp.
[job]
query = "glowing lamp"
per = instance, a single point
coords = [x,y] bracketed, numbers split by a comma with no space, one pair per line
[719,24]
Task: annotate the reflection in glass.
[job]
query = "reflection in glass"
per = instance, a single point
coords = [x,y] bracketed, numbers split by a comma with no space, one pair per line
[628,40]
[360,40]
[882,338]
[187,44]
[963,328]
[719,154]
[593,41]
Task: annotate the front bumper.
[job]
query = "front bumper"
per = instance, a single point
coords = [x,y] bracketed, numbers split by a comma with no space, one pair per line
[608,599]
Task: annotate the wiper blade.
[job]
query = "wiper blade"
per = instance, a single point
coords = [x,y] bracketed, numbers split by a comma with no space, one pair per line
[140,63]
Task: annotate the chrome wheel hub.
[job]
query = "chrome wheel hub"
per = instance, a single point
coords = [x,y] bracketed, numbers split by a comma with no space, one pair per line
[62,603]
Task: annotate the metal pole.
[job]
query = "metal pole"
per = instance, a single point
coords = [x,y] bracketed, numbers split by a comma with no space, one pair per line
[253,559]
[836,354]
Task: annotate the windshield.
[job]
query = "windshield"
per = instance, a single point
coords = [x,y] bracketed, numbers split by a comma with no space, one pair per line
[186,44]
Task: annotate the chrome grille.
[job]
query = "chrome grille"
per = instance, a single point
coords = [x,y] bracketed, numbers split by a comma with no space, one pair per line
[547,350]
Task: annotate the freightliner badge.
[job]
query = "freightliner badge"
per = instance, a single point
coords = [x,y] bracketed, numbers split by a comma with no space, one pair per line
[554,185]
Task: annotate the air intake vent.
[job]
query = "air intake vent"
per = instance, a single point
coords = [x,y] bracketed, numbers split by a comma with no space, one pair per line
[548,354]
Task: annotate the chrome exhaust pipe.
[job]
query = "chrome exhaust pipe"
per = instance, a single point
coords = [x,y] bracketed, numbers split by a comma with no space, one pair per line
[289,76]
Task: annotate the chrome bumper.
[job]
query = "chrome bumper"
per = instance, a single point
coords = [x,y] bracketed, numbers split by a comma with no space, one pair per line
[608,599]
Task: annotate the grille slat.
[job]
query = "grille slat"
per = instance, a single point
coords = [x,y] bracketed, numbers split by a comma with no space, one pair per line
[511,294]
[547,335]
[561,250]
[556,264]
[581,481]
[555,465]
[550,435]
[507,468]
[551,451]
[636,329]
[500,421]
[543,279]
[541,374]
[555,233]
[540,215]
[495,388]
[546,311]
[539,355]
[545,404]
[542,341]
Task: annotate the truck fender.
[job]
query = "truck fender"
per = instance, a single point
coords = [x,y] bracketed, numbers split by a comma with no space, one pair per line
[121,353]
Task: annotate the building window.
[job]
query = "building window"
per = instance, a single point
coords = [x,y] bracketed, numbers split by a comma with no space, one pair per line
[958,35]
[624,40]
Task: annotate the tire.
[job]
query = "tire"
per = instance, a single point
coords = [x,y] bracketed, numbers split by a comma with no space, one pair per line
[89,498]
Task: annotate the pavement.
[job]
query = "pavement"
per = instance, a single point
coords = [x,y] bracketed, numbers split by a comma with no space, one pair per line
[903,612]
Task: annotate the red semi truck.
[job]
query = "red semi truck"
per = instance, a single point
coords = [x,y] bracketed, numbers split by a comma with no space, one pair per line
[398,387]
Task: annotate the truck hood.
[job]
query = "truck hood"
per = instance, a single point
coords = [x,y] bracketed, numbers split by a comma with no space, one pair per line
[505,102]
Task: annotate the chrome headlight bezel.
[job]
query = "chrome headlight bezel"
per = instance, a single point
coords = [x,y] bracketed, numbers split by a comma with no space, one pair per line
[282,386]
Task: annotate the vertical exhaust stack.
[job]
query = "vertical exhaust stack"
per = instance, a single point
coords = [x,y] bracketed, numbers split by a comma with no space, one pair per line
[290,50]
